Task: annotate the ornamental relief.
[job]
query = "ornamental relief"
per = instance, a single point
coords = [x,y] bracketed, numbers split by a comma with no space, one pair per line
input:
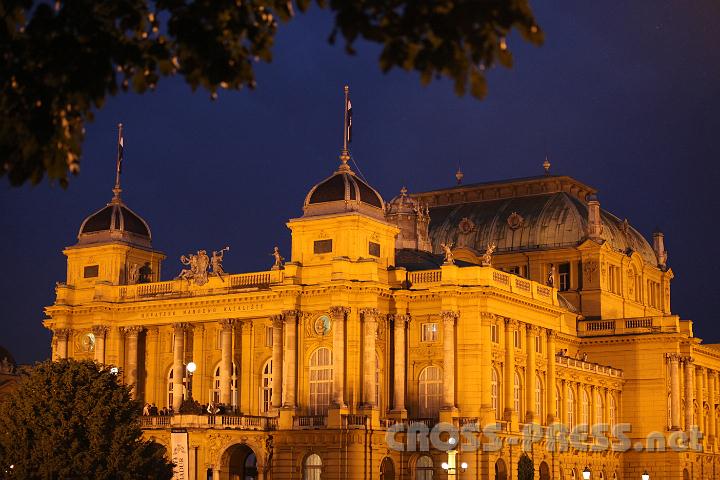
[83,343]
[426,351]
[317,324]
[589,269]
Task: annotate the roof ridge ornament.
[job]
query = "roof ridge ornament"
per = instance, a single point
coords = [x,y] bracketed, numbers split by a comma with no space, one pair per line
[547,165]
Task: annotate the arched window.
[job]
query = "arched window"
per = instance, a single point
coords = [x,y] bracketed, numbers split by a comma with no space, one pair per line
[430,391]
[585,409]
[599,408]
[215,393]
[539,400]
[613,411]
[424,468]
[321,381]
[517,394]
[495,393]
[267,381]
[313,467]
[570,408]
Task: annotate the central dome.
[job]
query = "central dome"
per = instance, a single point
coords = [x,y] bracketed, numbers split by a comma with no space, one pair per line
[115,222]
[343,192]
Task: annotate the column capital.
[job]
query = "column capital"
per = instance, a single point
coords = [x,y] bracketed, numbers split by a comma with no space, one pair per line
[180,327]
[449,316]
[688,360]
[100,330]
[369,314]
[551,334]
[226,323]
[62,333]
[287,314]
[339,311]
[399,319]
[532,329]
[673,357]
[132,330]
[277,320]
[511,323]
[246,326]
[488,316]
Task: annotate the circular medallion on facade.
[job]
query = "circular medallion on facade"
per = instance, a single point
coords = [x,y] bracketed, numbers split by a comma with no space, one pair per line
[515,221]
[466,225]
[87,342]
[322,325]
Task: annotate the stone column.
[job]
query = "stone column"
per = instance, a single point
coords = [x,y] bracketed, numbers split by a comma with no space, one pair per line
[277,370]
[61,347]
[131,357]
[152,367]
[290,317]
[369,316]
[509,375]
[689,391]
[178,364]
[563,403]
[488,415]
[448,398]
[712,378]
[551,393]
[674,391]
[339,315]
[226,360]
[399,326]
[100,331]
[592,418]
[699,397]
[531,332]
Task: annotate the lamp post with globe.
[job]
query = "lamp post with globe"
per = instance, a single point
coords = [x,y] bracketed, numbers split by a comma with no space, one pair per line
[645,475]
[191,367]
[586,473]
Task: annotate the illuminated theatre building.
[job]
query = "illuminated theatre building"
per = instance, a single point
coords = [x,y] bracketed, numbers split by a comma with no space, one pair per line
[367,327]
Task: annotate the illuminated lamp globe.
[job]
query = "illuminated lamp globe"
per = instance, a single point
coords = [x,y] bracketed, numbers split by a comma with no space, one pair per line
[586,473]
[645,475]
[191,367]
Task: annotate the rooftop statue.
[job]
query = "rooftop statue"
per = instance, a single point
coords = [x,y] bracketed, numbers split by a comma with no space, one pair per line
[487,257]
[447,250]
[198,271]
[278,259]
[216,262]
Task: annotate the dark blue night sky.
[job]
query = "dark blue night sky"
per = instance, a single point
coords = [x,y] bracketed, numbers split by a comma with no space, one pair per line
[624,96]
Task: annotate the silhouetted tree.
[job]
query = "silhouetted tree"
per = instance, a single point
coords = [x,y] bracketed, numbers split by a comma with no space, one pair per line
[61,59]
[526,469]
[73,419]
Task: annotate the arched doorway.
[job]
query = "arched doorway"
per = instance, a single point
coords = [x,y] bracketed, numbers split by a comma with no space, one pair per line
[387,469]
[500,470]
[686,474]
[239,463]
[544,471]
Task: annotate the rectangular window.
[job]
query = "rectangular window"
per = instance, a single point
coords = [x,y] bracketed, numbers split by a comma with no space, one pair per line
[564,276]
[538,344]
[429,332]
[374,249]
[91,271]
[614,279]
[516,339]
[494,334]
[322,246]
[268,336]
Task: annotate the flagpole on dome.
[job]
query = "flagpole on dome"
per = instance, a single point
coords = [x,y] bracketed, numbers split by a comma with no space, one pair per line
[347,131]
[118,168]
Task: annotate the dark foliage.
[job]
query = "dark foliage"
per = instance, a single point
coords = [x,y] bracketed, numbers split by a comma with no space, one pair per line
[73,419]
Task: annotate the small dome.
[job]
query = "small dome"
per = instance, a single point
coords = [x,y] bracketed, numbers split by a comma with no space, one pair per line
[113,222]
[403,204]
[343,192]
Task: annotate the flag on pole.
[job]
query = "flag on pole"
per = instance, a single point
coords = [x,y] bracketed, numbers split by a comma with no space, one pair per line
[120,152]
[349,127]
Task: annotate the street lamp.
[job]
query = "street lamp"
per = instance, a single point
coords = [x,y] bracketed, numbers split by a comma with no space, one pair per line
[586,473]
[645,475]
[114,370]
[191,367]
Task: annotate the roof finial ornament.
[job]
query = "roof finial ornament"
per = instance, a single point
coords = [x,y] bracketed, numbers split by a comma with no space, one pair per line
[546,165]
[347,132]
[118,167]
[459,175]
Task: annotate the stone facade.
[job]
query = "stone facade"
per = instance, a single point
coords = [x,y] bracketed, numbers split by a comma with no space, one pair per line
[316,362]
